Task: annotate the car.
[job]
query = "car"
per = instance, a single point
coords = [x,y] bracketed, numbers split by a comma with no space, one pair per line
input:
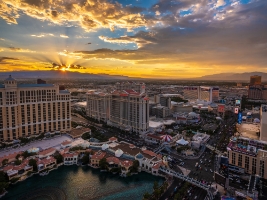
[206,169]
[211,170]
[195,197]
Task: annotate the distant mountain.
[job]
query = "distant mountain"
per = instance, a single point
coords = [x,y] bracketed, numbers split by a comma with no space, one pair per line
[56,74]
[233,76]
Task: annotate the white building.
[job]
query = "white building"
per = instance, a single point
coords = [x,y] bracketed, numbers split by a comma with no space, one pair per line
[28,109]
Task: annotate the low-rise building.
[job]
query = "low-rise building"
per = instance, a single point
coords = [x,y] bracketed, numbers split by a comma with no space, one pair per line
[70,158]
[96,158]
[46,163]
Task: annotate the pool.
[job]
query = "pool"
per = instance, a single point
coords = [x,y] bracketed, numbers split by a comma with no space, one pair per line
[33,150]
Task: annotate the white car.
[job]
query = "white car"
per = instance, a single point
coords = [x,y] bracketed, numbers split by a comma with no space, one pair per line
[211,170]
[195,197]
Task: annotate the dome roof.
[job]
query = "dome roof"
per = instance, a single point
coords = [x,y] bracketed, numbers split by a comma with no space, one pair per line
[139,156]
[118,153]
[10,78]
[105,146]
[166,138]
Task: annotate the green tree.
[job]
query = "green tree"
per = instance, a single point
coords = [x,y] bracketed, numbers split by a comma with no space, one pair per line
[59,158]
[4,162]
[17,162]
[103,163]
[17,156]
[33,163]
[146,196]
[156,185]
[85,158]
[134,167]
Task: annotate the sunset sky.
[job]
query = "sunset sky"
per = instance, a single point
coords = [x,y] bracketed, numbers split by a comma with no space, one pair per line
[139,38]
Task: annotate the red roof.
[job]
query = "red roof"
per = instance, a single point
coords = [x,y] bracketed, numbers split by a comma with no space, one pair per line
[47,151]
[98,155]
[127,163]
[157,165]
[70,155]
[66,142]
[154,136]
[151,153]
[7,168]
[46,161]
[114,160]
[112,139]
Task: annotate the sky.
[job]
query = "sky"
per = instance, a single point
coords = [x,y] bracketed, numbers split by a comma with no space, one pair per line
[166,39]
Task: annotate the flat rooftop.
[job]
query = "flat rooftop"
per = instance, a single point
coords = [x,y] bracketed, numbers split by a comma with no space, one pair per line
[249,130]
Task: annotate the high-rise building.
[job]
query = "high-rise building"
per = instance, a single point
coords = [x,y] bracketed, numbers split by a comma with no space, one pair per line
[129,110]
[215,93]
[163,100]
[263,129]
[255,80]
[30,109]
[160,111]
[126,109]
[247,152]
[191,92]
[98,105]
[255,92]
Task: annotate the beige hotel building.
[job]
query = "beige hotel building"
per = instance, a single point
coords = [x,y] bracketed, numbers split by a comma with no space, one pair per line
[31,109]
[248,148]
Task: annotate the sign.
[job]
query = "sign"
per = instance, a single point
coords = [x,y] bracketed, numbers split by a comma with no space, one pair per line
[236,110]
[221,108]
[240,194]
[237,102]
[220,179]
[239,118]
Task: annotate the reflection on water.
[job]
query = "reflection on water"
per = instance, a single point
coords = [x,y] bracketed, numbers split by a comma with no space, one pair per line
[87,183]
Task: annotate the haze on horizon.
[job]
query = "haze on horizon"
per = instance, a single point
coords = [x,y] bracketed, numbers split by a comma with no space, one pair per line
[138,38]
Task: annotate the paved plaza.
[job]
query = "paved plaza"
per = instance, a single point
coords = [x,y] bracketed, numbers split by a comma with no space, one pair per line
[44,144]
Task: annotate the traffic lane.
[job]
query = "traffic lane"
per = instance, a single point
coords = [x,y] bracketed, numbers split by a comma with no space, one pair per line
[197,194]
[169,194]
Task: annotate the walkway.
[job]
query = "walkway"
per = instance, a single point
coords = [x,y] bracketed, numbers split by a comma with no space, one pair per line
[44,144]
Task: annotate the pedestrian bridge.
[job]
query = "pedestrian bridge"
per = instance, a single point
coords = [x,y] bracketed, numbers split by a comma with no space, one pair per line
[213,149]
[190,180]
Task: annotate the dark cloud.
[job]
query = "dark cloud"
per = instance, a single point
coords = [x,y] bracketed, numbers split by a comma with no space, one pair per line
[7,60]
[64,66]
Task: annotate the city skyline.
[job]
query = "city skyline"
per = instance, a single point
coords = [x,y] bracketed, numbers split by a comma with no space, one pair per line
[148,39]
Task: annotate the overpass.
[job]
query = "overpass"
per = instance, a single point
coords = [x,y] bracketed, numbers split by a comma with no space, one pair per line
[190,180]
[214,149]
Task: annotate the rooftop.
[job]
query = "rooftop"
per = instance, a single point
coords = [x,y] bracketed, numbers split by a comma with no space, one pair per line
[249,130]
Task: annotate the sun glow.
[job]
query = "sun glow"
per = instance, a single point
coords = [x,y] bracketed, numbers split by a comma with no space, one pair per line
[63,69]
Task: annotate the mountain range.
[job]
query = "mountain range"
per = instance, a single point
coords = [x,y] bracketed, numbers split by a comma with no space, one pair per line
[57,74]
[233,76]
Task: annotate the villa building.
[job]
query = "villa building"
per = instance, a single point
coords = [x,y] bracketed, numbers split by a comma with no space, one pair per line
[96,158]
[46,163]
[31,109]
[47,152]
[70,158]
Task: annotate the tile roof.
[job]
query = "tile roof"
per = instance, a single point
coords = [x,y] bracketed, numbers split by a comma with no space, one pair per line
[98,155]
[126,163]
[70,155]
[47,151]
[113,160]
[112,139]
[148,152]
[66,142]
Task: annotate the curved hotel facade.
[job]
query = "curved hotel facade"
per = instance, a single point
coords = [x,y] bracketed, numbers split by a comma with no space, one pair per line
[31,109]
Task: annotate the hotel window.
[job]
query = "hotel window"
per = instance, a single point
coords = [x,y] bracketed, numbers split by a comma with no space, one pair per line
[240,160]
[253,166]
[233,158]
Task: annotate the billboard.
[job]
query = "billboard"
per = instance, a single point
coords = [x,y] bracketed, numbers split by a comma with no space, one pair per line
[239,118]
[221,108]
[237,102]
[236,110]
